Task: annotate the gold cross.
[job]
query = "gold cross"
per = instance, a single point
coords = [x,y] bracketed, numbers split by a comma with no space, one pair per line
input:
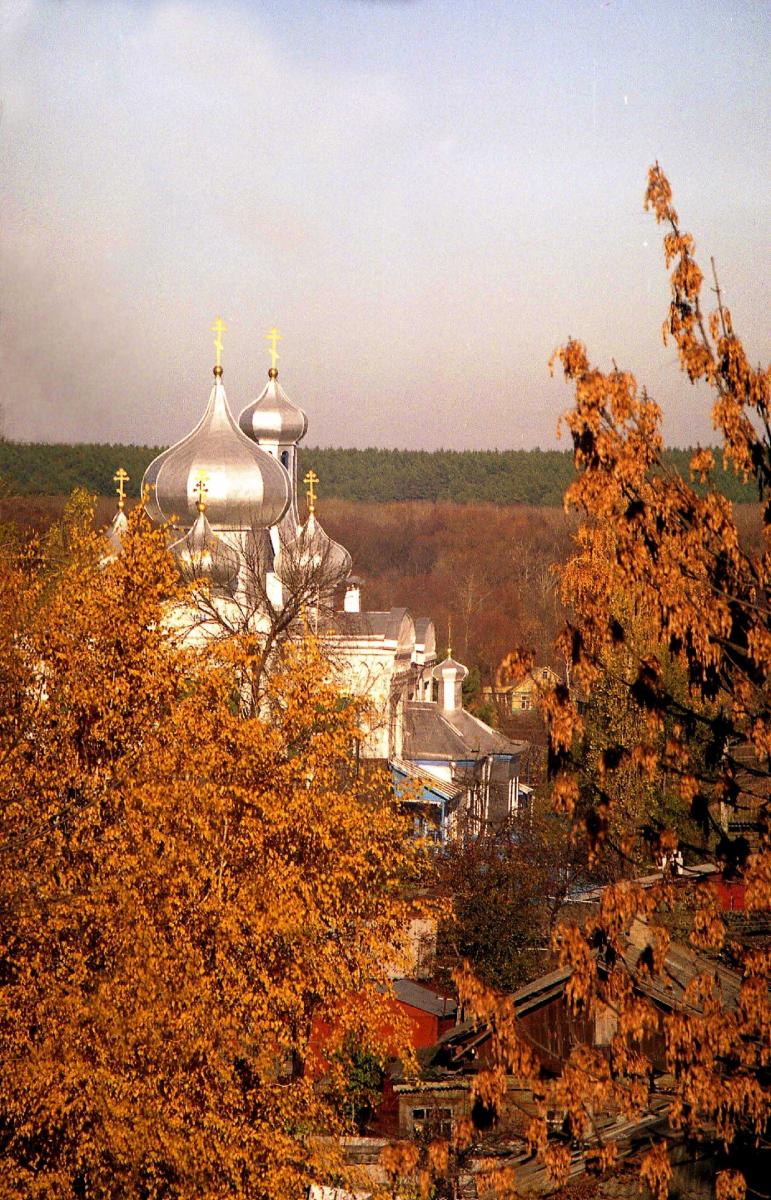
[310,479]
[200,488]
[273,337]
[121,477]
[218,328]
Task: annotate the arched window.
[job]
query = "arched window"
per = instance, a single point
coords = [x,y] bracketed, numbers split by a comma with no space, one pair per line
[285,458]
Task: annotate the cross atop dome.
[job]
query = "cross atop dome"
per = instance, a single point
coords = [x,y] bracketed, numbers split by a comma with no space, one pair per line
[218,328]
[310,479]
[274,337]
[200,489]
[121,477]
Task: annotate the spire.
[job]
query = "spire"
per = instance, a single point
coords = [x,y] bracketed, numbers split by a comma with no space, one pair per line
[450,675]
[201,555]
[272,418]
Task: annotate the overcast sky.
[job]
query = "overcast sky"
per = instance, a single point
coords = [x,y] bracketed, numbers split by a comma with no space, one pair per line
[426,197]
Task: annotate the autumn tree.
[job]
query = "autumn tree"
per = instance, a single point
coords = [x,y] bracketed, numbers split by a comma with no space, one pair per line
[675,550]
[264,620]
[184,890]
[505,890]
[641,798]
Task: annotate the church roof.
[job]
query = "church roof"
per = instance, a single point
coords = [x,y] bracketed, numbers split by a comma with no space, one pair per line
[202,556]
[313,549]
[430,733]
[387,627]
[245,487]
[272,416]
[450,666]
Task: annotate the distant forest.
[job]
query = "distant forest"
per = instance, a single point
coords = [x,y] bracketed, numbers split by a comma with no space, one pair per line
[533,477]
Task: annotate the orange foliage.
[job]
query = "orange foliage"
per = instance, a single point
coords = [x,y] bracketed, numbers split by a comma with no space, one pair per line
[182,889]
[655,555]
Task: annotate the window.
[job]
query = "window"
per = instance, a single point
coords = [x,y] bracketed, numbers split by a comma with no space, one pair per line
[524,701]
[423,827]
[285,458]
[432,1122]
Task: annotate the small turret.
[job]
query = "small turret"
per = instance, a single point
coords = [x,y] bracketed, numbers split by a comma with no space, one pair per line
[450,675]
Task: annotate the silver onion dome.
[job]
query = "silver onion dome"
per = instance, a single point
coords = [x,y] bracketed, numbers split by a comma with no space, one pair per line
[113,535]
[245,487]
[272,417]
[312,551]
[202,556]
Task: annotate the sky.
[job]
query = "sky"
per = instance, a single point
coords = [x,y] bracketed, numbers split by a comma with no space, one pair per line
[425,196]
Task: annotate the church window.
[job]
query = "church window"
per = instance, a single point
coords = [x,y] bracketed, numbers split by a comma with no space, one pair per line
[285,458]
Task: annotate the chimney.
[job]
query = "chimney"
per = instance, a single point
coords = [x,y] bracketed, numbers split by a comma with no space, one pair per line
[352,599]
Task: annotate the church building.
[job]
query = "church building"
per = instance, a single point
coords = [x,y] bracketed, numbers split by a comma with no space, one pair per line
[228,493]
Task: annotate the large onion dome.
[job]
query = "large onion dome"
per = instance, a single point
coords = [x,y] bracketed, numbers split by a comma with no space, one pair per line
[245,486]
[203,556]
[272,417]
[312,551]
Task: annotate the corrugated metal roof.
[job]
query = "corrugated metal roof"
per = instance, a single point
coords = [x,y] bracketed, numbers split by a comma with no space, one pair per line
[444,787]
[424,998]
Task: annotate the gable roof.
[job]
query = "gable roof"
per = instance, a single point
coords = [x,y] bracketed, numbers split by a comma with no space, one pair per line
[681,965]
[430,733]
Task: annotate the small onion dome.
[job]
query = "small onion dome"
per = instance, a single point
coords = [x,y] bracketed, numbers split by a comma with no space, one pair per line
[450,666]
[273,417]
[450,675]
[201,555]
[313,550]
[245,487]
[114,535]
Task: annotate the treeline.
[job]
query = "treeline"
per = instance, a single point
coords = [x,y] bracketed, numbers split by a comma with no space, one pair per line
[53,469]
[534,477]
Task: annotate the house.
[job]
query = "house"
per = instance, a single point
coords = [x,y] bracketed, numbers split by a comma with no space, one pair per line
[545,1019]
[522,696]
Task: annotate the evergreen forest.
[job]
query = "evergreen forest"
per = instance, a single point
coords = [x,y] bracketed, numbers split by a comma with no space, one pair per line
[533,477]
